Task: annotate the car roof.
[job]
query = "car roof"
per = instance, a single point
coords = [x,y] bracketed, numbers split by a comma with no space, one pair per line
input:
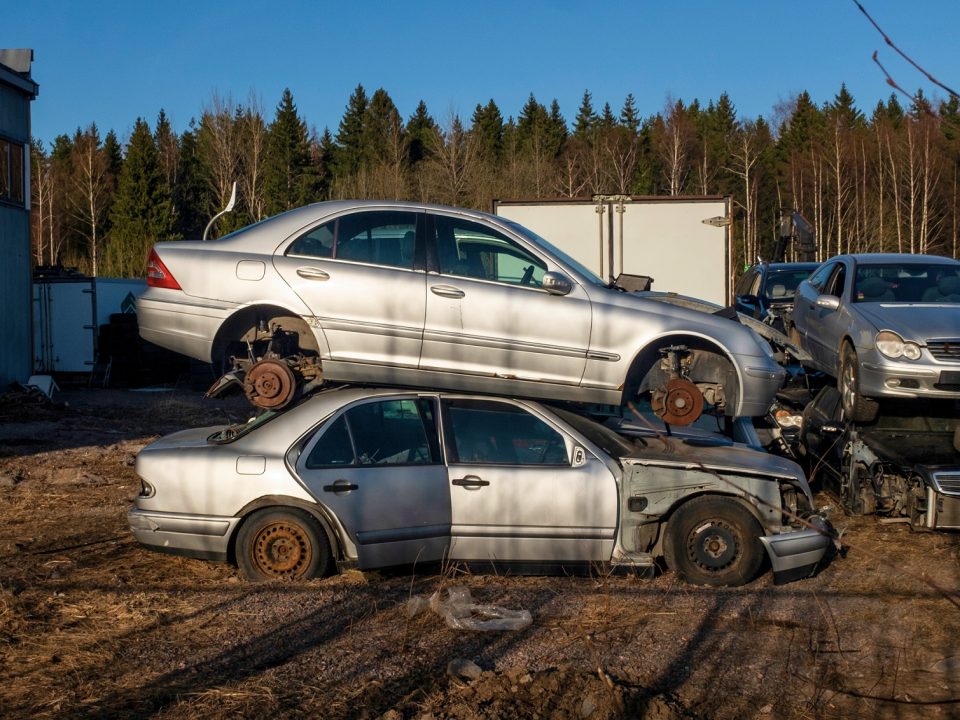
[893,258]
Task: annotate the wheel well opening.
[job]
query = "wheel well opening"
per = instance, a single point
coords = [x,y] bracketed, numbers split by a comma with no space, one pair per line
[336,547]
[249,323]
[709,363]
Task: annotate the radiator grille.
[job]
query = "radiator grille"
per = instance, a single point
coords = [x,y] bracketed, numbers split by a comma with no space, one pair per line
[948,482]
[945,350]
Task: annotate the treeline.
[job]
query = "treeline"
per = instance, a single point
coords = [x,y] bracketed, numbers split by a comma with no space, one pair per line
[887,182]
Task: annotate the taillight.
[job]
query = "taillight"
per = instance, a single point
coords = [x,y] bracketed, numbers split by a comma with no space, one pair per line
[157,273]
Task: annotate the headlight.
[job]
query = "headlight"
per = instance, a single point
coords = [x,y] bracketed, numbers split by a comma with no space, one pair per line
[893,346]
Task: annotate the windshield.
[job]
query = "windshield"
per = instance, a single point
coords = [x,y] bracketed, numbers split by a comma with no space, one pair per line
[233,432]
[907,283]
[584,271]
[603,437]
[782,284]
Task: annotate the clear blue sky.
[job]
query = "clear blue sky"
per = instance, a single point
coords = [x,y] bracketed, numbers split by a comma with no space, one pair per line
[109,61]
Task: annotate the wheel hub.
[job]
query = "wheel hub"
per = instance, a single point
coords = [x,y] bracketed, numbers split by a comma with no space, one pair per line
[281,550]
[270,384]
[713,546]
[678,403]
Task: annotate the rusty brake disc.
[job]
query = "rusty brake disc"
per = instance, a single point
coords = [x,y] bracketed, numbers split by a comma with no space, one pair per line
[678,403]
[270,384]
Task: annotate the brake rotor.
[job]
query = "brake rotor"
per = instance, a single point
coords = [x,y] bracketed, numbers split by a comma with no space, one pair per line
[679,403]
[270,384]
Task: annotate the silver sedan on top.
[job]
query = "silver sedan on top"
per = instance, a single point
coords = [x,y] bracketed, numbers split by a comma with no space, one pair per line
[884,325]
[425,296]
[385,477]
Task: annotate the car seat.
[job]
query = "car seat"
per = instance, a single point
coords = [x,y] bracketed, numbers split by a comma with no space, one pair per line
[875,289]
[947,290]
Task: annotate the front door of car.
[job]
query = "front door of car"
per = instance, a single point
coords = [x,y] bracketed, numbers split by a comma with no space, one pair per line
[377,467]
[826,326]
[359,277]
[521,489]
[488,314]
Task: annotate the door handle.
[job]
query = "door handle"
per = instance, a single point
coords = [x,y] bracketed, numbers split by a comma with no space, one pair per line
[340,486]
[447,291]
[310,273]
[470,481]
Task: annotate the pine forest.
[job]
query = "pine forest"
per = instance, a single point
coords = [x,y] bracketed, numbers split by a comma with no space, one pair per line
[885,181]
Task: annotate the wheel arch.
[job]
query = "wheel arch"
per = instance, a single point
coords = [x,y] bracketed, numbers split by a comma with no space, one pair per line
[285,502]
[238,324]
[647,358]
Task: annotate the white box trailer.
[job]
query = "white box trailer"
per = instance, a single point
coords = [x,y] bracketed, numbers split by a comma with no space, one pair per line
[683,243]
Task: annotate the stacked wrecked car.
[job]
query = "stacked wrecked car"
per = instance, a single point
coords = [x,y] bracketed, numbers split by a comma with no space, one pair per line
[402,357]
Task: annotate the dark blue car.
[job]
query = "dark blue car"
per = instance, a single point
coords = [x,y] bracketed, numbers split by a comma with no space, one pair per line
[765,291]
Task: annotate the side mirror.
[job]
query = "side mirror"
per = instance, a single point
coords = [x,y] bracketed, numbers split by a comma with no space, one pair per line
[828,302]
[556,283]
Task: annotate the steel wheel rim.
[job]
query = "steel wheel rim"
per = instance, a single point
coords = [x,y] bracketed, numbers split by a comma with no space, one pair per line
[282,549]
[713,546]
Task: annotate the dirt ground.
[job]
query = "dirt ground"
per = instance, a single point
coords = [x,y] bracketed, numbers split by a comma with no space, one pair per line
[93,625]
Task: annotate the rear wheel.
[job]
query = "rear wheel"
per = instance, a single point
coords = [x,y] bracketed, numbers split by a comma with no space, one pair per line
[856,407]
[287,543]
[714,541]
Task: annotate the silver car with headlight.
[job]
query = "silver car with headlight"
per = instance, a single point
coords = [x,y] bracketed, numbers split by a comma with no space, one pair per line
[884,325]
[424,296]
[383,477]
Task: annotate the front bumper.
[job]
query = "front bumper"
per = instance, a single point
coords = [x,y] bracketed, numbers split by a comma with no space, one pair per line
[880,377]
[192,535]
[797,555]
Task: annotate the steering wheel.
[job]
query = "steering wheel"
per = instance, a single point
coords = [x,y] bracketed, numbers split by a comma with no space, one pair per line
[527,275]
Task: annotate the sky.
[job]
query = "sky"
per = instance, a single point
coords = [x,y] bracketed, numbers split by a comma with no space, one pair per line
[111,62]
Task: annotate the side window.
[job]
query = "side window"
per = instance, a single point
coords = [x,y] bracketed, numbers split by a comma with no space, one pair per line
[390,432]
[469,249]
[495,433]
[375,237]
[745,282]
[820,277]
[835,286]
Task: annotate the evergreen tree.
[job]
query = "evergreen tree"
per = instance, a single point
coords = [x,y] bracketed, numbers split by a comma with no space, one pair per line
[168,153]
[350,136]
[324,152]
[114,154]
[586,119]
[487,130]
[141,214]
[557,131]
[287,168]
[607,121]
[382,129]
[532,130]
[192,197]
[628,115]
[844,110]
[420,128]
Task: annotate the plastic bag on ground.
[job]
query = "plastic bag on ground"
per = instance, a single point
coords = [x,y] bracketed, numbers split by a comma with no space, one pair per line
[461,613]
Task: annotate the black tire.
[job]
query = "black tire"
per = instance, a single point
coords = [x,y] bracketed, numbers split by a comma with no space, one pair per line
[714,540]
[282,543]
[856,407]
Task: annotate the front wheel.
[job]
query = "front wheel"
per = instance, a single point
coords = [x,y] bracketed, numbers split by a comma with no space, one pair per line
[856,407]
[714,541]
[287,543]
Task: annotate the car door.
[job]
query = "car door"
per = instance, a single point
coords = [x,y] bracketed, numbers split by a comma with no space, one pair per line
[376,465]
[486,312]
[521,489]
[806,314]
[826,326]
[359,276]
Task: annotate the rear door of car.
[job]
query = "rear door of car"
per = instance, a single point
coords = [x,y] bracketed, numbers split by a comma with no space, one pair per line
[522,489]
[377,466]
[359,275]
[486,312]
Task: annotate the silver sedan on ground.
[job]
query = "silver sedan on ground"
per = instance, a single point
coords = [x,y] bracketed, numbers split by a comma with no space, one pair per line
[884,325]
[424,296]
[384,477]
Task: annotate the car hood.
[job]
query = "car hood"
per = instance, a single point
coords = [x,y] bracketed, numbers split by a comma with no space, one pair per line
[696,453]
[917,322]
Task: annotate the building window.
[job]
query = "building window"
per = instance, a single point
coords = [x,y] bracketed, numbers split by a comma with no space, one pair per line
[11,172]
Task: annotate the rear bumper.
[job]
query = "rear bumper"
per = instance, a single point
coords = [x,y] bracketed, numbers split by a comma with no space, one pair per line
[761,381]
[191,535]
[797,555]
